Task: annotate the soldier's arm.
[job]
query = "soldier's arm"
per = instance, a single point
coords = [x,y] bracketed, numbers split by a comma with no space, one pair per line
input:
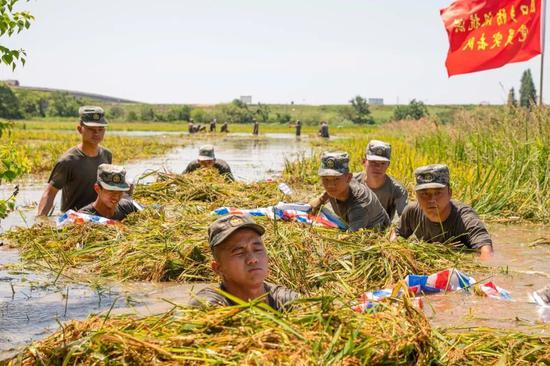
[477,232]
[46,201]
[402,200]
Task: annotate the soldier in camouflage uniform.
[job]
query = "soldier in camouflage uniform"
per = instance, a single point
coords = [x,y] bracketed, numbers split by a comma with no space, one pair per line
[207,159]
[355,203]
[240,259]
[76,170]
[391,193]
[436,218]
[110,187]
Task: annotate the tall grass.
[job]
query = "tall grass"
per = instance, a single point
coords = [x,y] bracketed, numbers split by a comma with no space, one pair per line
[499,159]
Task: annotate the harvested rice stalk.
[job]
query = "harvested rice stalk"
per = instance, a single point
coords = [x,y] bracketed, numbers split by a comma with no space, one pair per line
[319,331]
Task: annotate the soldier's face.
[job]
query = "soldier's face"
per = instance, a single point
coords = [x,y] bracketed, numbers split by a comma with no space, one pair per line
[206,163]
[337,186]
[107,197]
[435,203]
[242,259]
[92,135]
[376,168]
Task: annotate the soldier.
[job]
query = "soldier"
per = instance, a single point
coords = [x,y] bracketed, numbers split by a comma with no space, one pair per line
[224,128]
[191,127]
[110,187]
[76,171]
[355,203]
[213,125]
[256,128]
[436,218]
[241,261]
[298,127]
[207,159]
[323,131]
[391,194]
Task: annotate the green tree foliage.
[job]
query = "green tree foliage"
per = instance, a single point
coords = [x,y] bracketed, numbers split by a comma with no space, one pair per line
[262,112]
[527,91]
[64,105]
[12,22]
[512,101]
[415,110]
[9,104]
[147,113]
[31,104]
[116,112]
[132,116]
[360,111]
[182,113]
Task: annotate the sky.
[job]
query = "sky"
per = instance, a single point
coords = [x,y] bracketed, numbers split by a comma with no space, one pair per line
[212,51]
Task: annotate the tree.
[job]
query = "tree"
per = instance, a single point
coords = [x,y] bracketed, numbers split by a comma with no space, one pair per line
[12,22]
[116,112]
[527,91]
[263,112]
[512,101]
[64,105]
[9,104]
[414,110]
[361,113]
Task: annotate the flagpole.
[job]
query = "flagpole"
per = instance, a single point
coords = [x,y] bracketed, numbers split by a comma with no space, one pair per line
[542,54]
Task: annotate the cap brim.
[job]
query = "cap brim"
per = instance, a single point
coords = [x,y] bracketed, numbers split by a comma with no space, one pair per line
[257,228]
[429,185]
[119,187]
[204,158]
[329,173]
[95,124]
[377,158]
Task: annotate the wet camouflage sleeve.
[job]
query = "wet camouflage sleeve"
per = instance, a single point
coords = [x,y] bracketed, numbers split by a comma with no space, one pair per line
[477,232]
[60,174]
[192,166]
[401,200]
[404,227]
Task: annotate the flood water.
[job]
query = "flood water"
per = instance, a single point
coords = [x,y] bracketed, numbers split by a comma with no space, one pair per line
[32,304]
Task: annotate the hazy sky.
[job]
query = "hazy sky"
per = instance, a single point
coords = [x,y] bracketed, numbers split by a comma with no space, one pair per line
[210,51]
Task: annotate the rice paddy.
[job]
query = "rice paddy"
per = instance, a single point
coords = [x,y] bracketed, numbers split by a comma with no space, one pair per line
[501,169]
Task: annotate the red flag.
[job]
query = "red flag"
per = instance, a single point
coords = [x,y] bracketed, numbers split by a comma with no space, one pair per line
[486,34]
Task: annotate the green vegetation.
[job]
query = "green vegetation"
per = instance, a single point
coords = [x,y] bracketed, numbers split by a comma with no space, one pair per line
[360,111]
[37,151]
[32,104]
[498,158]
[12,22]
[172,244]
[527,91]
[414,110]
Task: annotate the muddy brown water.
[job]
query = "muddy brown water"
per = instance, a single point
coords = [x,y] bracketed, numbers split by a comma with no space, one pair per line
[33,304]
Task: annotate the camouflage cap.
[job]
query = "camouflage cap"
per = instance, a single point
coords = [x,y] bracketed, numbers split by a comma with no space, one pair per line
[432,176]
[112,177]
[220,229]
[334,164]
[92,116]
[378,151]
[206,152]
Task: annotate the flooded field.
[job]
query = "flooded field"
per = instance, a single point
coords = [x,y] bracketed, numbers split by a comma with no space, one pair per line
[32,305]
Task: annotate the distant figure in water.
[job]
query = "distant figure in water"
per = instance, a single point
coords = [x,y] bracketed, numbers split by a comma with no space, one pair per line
[213,125]
[191,127]
[323,131]
[224,128]
[256,128]
[298,127]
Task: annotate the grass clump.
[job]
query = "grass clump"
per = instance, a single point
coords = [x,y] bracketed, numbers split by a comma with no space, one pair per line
[319,331]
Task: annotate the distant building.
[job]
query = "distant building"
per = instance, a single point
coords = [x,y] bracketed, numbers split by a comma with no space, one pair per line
[246,99]
[11,82]
[376,101]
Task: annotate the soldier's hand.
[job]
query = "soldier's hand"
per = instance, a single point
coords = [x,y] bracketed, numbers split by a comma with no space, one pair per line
[315,204]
